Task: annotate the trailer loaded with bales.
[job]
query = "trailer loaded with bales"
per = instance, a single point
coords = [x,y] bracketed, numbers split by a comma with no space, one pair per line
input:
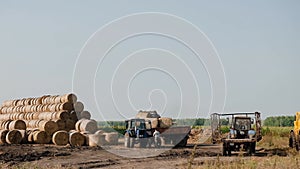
[141,130]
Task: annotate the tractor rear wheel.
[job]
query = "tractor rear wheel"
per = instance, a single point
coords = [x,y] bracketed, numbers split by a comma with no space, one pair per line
[127,140]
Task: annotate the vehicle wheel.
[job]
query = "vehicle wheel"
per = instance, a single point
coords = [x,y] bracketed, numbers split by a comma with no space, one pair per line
[229,151]
[127,140]
[224,149]
[131,142]
[291,140]
[297,143]
[253,145]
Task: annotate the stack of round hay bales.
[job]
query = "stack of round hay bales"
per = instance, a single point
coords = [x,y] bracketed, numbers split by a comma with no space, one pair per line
[165,122]
[45,119]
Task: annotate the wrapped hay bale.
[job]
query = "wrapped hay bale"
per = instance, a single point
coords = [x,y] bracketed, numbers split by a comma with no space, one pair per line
[60,138]
[13,137]
[95,140]
[165,122]
[111,138]
[3,134]
[76,139]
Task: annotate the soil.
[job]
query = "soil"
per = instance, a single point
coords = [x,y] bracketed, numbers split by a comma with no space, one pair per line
[51,156]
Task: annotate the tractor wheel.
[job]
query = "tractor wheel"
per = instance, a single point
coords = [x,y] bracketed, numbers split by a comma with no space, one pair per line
[229,150]
[253,145]
[251,148]
[127,140]
[291,140]
[224,149]
[131,142]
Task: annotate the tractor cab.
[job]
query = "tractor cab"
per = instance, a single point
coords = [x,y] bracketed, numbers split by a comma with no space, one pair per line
[137,128]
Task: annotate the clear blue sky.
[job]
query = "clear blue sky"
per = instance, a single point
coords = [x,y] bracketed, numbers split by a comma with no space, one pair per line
[258,43]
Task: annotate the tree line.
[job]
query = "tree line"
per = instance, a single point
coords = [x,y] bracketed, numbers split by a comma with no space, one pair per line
[272,121]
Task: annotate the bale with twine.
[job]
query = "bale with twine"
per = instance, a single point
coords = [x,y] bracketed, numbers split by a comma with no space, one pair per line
[60,138]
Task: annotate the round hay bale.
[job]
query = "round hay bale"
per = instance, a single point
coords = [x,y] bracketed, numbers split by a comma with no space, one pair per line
[95,140]
[165,122]
[29,134]
[60,124]
[48,126]
[71,98]
[24,136]
[70,124]
[60,138]
[76,139]
[77,125]
[88,125]
[78,107]
[66,106]
[17,124]
[41,137]
[99,132]
[3,134]
[85,115]
[74,116]
[111,138]
[64,115]
[13,137]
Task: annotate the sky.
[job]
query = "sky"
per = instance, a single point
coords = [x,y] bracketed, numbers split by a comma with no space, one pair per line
[43,50]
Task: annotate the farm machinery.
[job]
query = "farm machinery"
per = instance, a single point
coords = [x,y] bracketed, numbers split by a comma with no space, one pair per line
[244,131]
[294,140]
[141,130]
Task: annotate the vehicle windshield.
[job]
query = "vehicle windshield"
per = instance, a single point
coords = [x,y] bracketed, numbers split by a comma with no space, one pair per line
[138,124]
[242,124]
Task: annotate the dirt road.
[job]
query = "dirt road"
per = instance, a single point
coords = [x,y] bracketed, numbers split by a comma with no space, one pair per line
[50,156]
